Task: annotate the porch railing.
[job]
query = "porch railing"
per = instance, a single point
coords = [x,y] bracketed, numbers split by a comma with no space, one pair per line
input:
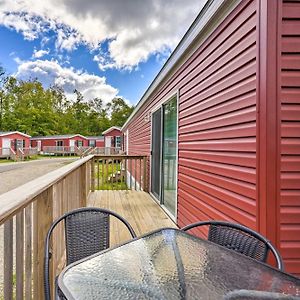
[20,154]
[4,152]
[101,150]
[28,152]
[119,172]
[63,150]
[26,214]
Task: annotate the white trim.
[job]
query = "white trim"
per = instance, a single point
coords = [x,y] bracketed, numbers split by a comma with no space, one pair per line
[15,132]
[184,48]
[127,141]
[111,129]
[133,182]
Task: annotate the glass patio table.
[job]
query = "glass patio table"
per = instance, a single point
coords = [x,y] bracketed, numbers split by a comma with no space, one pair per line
[172,264]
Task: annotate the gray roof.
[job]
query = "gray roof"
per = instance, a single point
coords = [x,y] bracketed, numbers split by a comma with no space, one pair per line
[56,137]
[100,137]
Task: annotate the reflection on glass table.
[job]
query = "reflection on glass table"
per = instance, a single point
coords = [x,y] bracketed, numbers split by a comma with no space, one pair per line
[171,264]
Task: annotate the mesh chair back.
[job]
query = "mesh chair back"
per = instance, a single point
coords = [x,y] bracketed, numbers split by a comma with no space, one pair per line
[87,232]
[238,240]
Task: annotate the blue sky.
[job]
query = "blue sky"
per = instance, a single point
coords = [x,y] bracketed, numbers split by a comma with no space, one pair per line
[102,48]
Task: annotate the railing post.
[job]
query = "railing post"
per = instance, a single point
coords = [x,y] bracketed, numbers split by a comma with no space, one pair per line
[20,255]
[28,252]
[43,221]
[145,188]
[8,259]
[93,175]
[83,197]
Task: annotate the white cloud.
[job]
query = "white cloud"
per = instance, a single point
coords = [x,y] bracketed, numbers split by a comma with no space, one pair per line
[51,72]
[40,53]
[134,29]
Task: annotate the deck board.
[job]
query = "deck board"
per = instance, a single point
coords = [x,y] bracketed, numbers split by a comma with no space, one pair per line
[138,208]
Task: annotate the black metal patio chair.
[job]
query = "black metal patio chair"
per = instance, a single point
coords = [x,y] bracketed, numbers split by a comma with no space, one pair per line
[86,232]
[240,239]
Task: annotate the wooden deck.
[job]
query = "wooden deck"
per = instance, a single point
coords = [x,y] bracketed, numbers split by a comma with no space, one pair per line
[137,207]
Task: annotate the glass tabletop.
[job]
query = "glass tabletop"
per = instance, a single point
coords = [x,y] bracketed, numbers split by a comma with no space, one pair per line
[170,264]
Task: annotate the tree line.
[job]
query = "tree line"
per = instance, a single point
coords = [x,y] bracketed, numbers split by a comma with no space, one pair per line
[29,107]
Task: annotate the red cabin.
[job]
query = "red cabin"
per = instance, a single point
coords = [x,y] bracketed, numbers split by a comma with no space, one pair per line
[112,137]
[221,122]
[69,140]
[14,140]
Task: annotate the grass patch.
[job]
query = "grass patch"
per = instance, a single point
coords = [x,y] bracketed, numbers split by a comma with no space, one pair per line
[104,179]
[4,160]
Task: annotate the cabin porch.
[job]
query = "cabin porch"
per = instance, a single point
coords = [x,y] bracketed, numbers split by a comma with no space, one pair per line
[137,207]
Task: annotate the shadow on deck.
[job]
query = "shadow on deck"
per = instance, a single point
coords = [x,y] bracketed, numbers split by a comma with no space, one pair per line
[137,207]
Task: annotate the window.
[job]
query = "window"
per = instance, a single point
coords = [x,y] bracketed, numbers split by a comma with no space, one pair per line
[79,143]
[19,144]
[118,142]
[59,143]
[92,143]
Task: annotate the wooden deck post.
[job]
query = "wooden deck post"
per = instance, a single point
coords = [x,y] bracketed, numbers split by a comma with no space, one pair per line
[93,175]
[8,259]
[145,187]
[83,183]
[43,221]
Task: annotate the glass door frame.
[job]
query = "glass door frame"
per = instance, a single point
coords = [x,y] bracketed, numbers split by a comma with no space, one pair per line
[167,99]
[159,107]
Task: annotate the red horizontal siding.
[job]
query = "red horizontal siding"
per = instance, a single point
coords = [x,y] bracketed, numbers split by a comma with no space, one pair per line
[217,123]
[217,132]
[289,213]
[16,136]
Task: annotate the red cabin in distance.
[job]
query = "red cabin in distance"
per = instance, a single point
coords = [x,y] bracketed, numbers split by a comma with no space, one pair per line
[112,137]
[14,140]
[69,140]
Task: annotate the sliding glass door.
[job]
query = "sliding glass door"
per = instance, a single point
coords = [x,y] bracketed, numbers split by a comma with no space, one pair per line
[156,154]
[164,155]
[169,156]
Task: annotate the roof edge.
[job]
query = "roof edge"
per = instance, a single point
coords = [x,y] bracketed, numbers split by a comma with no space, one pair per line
[210,8]
[111,128]
[13,132]
[53,137]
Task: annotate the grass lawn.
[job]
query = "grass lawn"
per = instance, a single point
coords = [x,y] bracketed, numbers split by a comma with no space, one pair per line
[4,160]
[102,175]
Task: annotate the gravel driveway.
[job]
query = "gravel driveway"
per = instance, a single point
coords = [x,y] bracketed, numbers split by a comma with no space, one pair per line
[13,175]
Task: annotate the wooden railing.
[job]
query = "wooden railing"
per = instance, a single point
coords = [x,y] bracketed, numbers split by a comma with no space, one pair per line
[63,150]
[119,172]
[26,214]
[28,152]
[4,152]
[20,154]
[101,150]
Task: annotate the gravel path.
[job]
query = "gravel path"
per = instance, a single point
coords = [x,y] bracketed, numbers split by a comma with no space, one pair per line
[13,175]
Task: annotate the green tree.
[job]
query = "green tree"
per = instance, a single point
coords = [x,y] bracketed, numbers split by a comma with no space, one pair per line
[29,107]
[119,111]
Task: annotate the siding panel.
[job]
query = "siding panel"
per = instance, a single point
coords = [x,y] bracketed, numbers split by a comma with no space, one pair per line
[217,130]
[289,213]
